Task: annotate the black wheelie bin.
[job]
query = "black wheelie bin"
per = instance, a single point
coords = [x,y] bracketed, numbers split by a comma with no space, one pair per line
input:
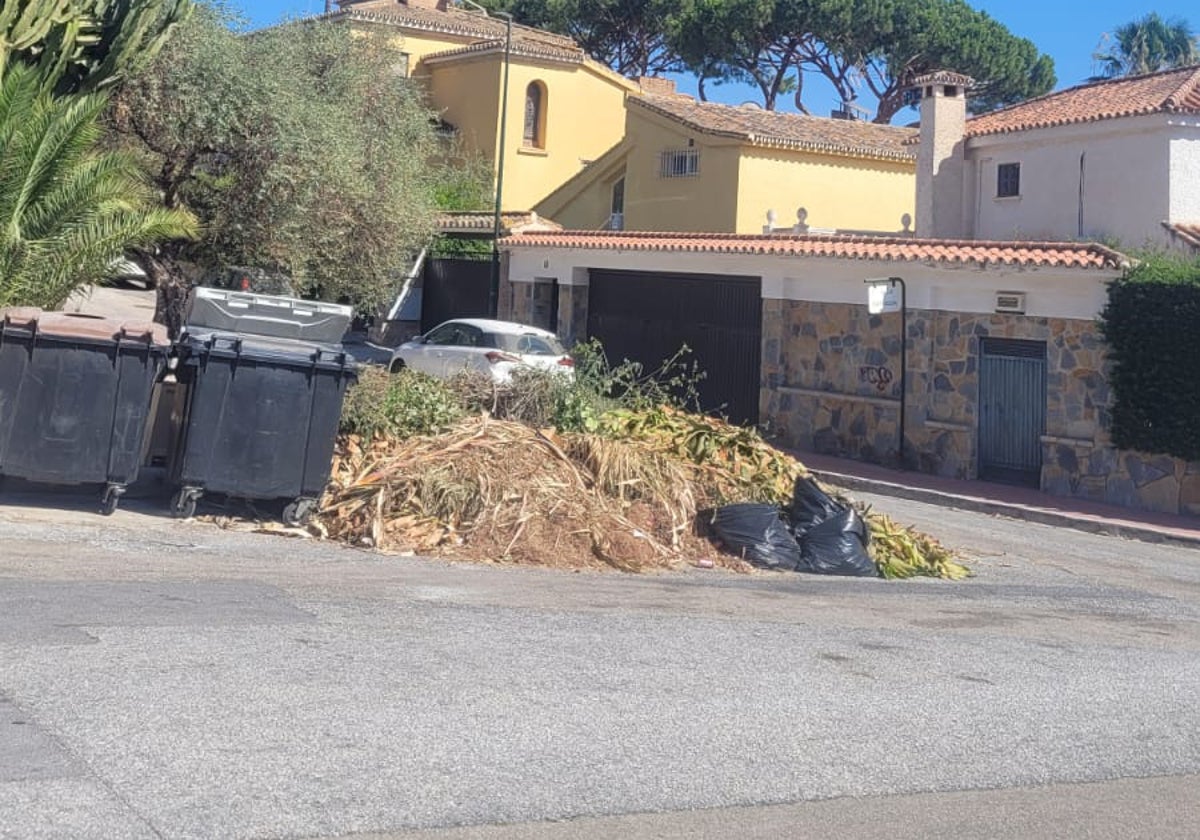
[75,394]
[264,399]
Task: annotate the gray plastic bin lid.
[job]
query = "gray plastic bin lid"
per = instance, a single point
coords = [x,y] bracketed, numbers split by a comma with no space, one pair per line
[76,325]
[227,311]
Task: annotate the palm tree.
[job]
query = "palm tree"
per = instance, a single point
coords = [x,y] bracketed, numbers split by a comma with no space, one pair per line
[1146,45]
[67,209]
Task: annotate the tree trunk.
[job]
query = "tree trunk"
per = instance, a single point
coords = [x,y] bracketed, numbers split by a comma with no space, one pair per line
[889,106]
[171,287]
[798,97]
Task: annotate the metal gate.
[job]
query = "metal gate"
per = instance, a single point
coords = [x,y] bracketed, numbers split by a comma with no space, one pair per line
[646,317]
[455,288]
[1012,410]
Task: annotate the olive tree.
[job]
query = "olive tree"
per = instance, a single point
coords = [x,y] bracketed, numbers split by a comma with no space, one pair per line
[302,149]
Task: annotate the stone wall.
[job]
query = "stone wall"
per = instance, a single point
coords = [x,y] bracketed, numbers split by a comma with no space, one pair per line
[831,382]
[531,302]
[519,307]
[572,314]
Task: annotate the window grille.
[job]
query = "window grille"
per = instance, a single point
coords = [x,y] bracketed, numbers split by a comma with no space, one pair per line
[679,163]
[1008,180]
[534,123]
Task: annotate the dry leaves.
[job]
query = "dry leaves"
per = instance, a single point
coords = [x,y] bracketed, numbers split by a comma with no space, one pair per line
[500,491]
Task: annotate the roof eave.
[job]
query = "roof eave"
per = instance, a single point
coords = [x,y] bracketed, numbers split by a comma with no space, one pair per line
[1071,256]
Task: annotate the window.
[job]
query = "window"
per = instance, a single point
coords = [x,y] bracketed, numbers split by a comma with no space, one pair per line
[535,116]
[454,335]
[679,163]
[445,334]
[526,344]
[1008,180]
[616,217]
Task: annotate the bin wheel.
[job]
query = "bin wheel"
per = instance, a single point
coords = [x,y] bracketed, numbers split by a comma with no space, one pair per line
[297,513]
[110,499]
[183,504]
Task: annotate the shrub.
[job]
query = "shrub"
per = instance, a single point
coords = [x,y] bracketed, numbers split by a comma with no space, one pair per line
[1152,326]
[409,403]
[399,405]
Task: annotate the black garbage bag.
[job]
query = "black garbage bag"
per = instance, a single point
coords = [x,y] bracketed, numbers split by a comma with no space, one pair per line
[837,546]
[810,505]
[759,534]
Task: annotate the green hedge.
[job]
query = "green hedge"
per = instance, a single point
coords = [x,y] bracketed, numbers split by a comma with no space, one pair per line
[1152,326]
[461,247]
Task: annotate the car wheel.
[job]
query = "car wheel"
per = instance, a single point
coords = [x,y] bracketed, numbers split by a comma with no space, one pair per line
[396,366]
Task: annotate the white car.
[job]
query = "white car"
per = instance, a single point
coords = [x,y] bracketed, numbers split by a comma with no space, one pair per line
[493,348]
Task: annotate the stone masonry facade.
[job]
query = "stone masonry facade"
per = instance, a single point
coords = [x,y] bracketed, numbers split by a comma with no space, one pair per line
[831,383]
[531,302]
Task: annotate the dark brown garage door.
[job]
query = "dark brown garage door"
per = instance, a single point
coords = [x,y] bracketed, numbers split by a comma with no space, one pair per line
[646,317]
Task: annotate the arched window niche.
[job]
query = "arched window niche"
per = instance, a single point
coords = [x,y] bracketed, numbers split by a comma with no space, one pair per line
[534,136]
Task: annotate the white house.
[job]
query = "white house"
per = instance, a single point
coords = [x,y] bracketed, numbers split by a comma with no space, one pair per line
[995,369]
[1115,161]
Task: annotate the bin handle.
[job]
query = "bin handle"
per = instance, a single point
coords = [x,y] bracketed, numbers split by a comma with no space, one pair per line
[147,337]
[234,340]
[338,356]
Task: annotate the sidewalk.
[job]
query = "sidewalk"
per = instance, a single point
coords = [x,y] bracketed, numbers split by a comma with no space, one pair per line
[1003,500]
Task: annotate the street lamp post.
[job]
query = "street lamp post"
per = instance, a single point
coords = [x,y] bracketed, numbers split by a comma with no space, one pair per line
[494,287]
[877,307]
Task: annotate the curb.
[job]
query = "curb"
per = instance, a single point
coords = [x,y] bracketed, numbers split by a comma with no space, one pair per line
[1063,519]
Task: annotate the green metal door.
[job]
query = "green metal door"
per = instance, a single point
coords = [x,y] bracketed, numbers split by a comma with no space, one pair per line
[1012,410]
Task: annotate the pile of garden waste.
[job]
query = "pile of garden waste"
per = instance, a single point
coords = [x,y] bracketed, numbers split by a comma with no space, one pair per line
[548,474]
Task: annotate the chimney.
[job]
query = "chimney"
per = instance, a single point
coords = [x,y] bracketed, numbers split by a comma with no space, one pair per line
[656,85]
[941,162]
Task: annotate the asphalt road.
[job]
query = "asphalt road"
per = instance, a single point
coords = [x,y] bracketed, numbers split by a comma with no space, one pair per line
[163,679]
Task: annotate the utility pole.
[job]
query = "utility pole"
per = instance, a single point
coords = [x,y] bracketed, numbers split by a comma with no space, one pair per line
[494,288]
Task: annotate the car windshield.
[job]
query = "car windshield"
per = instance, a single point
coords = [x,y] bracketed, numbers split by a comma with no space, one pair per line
[526,344]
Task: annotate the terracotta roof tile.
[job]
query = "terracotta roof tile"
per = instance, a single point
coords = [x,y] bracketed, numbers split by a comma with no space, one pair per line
[1167,91]
[482,222]
[1187,232]
[452,21]
[772,128]
[978,252]
[526,47]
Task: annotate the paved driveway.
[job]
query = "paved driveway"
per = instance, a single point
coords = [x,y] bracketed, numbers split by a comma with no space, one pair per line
[173,680]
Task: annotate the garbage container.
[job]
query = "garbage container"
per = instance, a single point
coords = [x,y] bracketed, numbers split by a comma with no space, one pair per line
[75,395]
[261,419]
[246,313]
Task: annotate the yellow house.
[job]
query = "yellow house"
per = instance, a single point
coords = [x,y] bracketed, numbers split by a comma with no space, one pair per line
[684,165]
[563,108]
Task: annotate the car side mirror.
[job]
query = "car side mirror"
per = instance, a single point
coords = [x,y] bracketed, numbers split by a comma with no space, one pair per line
[420,339]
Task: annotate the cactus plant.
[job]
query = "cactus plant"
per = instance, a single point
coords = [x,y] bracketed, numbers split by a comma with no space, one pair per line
[85,45]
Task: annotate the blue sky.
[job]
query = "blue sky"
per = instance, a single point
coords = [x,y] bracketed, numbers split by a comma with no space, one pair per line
[1068,31]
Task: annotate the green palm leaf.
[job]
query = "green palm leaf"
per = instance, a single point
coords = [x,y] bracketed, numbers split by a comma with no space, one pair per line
[67,210]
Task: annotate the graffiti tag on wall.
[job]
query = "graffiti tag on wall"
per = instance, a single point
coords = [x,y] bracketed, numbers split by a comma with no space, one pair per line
[880,377]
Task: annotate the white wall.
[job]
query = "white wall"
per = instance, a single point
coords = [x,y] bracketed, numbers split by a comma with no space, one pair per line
[1126,182]
[1185,171]
[1050,293]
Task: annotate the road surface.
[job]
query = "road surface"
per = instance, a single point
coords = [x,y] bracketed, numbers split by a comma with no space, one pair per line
[164,679]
